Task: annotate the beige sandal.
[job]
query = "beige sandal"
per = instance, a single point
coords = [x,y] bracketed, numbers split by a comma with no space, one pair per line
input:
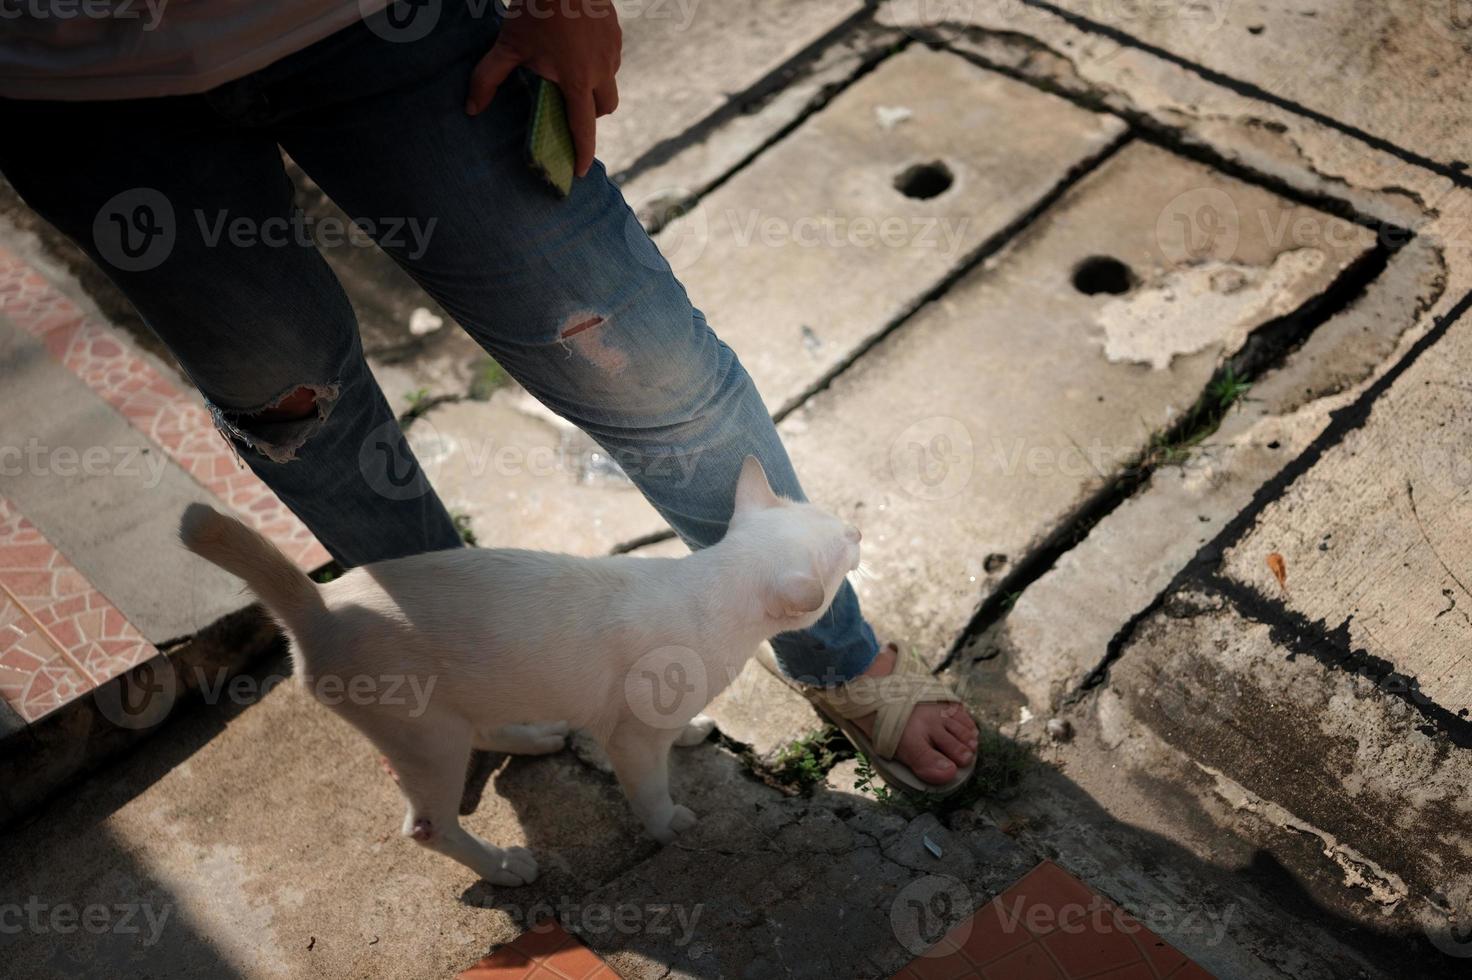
[894,698]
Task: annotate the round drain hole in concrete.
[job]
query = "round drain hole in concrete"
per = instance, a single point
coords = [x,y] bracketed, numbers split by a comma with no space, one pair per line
[924,180]
[1102,274]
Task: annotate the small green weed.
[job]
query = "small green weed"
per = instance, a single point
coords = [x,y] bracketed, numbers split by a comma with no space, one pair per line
[486,376]
[462,524]
[1228,388]
[805,762]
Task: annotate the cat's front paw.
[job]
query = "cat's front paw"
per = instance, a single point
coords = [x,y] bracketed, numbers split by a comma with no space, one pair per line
[681,819]
[511,867]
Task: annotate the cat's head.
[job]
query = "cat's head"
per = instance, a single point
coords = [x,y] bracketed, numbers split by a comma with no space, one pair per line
[799,553]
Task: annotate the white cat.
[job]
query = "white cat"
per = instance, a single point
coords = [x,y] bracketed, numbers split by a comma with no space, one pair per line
[512,648]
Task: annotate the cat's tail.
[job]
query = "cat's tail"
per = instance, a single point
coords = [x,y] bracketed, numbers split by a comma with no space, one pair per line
[285,589]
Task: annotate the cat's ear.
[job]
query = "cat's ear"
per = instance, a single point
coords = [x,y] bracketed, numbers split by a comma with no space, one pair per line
[753,492]
[793,594]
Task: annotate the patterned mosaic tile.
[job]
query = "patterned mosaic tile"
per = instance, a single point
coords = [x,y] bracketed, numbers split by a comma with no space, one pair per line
[1051,926]
[172,417]
[59,637]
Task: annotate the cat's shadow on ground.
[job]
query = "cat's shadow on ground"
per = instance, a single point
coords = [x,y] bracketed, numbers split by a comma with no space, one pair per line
[572,816]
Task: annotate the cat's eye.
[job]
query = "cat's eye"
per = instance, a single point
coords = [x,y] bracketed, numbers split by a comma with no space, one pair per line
[852,533]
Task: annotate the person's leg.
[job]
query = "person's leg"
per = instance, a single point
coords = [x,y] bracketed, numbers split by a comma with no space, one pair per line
[187,211]
[573,299]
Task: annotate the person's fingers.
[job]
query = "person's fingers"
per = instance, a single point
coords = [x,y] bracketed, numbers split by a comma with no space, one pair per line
[605,97]
[489,73]
[582,120]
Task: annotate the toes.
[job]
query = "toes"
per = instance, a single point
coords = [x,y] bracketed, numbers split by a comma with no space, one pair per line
[956,711]
[953,748]
[934,767]
[963,732]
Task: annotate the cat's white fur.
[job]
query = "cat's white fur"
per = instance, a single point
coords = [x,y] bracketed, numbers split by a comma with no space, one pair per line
[520,646]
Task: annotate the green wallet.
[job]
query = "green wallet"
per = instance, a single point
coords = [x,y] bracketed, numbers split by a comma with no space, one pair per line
[549,147]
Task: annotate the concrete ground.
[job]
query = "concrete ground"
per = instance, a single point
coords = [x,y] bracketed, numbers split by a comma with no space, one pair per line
[1152,406]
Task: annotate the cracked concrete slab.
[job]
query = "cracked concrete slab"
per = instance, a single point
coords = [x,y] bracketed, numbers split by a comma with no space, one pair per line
[683,60]
[762,713]
[1374,537]
[1371,67]
[813,249]
[527,479]
[1222,900]
[1163,96]
[954,467]
[1391,69]
[1061,626]
[821,888]
[661,187]
[1335,775]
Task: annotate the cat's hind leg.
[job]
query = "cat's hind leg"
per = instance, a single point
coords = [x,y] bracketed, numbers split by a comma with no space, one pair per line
[540,738]
[640,757]
[431,767]
[696,731]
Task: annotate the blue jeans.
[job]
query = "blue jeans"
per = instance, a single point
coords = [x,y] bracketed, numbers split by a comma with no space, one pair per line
[570,297]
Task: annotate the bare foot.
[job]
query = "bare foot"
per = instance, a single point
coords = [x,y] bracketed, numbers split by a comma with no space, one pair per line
[938,738]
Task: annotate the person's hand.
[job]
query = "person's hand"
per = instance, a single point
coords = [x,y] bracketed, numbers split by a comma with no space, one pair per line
[575,43]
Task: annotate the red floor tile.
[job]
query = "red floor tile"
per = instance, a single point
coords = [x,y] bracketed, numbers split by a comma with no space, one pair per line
[545,952]
[1161,955]
[1047,897]
[993,932]
[1086,946]
[1051,926]
[1135,971]
[1031,962]
[950,966]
